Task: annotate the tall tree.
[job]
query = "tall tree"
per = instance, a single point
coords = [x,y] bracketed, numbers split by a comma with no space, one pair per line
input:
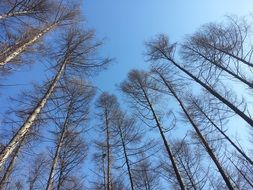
[107,106]
[137,87]
[76,48]
[161,49]
[172,89]
[71,108]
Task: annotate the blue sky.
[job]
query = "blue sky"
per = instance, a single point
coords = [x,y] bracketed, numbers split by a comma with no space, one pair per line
[126,25]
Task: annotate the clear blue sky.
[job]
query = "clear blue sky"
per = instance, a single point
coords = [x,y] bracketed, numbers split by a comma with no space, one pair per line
[127,24]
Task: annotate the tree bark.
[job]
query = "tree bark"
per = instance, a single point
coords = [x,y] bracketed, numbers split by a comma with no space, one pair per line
[213,92]
[201,137]
[249,84]
[166,144]
[226,137]
[126,159]
[30,120]
[23,47]
[57,152]
[13,14]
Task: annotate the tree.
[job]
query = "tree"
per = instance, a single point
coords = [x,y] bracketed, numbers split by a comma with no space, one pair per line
[14,49]
[203,110]
[161,49]
[199,52]
[107,106]
[73,57]
[190,164]
[172,90]
[72,104]
[137,87]
[145,175]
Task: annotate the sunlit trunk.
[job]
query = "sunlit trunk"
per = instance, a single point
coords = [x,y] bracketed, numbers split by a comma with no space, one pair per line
[30,120]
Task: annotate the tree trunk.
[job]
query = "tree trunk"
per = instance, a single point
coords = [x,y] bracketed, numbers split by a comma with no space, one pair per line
[201,137]
[30,120]
[226,137]
[10,167]
[14,14]
[249,84]
[57,152]
[214,93]
[23,47]
[166,144]
[108,184]
[126,159]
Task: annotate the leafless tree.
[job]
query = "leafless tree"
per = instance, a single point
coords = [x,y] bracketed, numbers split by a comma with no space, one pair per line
[206,110]
[200,51]
[36,171]
[107,106]
[160,49]
[145,174]
[76,54]
[190,164]
[137,87]
[71,102]
[14,48]
[173,91]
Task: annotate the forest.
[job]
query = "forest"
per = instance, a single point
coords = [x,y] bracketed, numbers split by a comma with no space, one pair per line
[184,122]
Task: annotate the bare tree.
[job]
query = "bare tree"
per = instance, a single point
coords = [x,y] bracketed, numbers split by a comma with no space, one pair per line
[107,106]
[203,110]
[190,164]
[172,89]
[197,51]
[29,35]
[161,49]
[137,87]
[145,174]
[76,48]
[36,171]
[72,108]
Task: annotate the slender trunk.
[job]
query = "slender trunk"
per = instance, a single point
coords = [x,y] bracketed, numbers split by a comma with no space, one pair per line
[14,14]
[23,47]
[126,159]
[166,144]
[243,175]
[249,84]
[201,137]
[57,152]
[226,137]
[232,55]
[214,93]
[104,174]
[108,184]
[10,167]
[30,120]
[60,180]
